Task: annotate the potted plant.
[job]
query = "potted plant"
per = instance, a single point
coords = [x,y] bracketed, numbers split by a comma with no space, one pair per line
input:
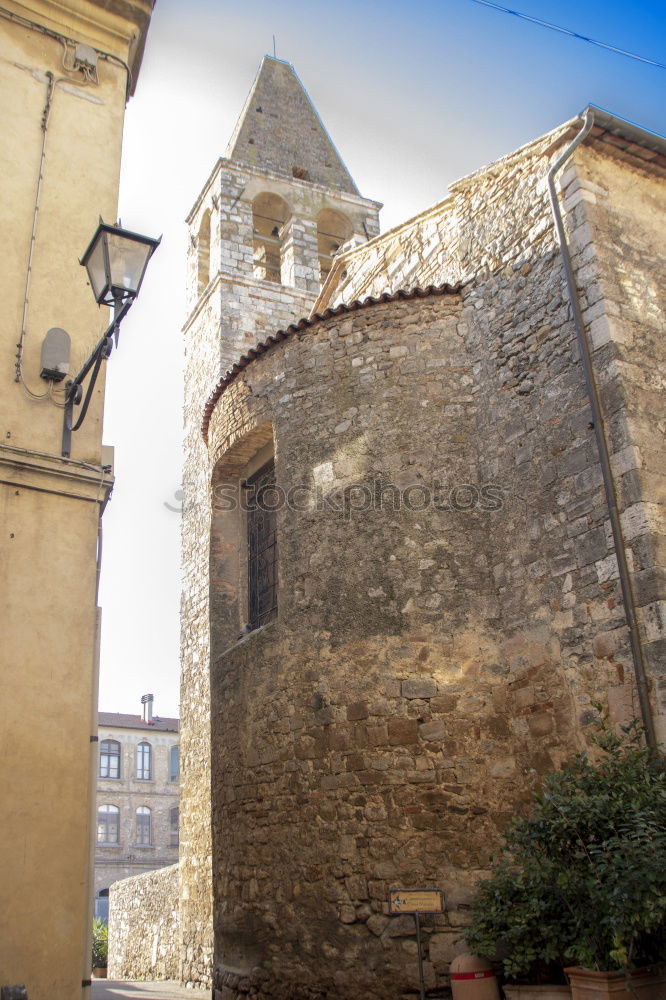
[100,948]
[581,882]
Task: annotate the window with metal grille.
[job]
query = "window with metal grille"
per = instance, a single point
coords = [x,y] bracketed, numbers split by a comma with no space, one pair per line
[261,546]
[143,826]
[109,759]
[108,825]
[143,761]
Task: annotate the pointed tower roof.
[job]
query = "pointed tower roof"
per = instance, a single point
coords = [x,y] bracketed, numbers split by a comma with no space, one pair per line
[279,130]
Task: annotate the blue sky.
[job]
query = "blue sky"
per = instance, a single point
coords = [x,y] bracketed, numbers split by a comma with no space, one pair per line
[414,96]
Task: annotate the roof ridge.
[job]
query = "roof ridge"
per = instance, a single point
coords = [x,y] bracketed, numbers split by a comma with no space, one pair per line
[402,294]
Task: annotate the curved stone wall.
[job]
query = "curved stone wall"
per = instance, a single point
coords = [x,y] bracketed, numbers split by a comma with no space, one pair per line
[430,658]
[361,742]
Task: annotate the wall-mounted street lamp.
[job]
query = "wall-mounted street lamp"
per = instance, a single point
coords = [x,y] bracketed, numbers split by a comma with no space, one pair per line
[116,261]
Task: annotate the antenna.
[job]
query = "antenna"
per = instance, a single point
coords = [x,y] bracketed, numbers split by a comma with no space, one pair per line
[274,55]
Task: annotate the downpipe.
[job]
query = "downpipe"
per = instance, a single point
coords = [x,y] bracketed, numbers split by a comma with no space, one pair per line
[600,435]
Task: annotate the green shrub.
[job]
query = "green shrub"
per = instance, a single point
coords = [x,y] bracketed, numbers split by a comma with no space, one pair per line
[582,881]
[100,944]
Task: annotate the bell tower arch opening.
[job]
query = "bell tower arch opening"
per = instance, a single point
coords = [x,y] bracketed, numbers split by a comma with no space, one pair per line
[203,252]
[333,229]
[269,214]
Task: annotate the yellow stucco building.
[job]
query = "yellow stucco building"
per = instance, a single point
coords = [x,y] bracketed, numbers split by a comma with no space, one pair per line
[66,71]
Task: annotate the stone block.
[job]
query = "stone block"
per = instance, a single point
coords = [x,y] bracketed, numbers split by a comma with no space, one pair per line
[504,767]
[419,687]
[443,948]
[605,645]
[436,730]
[376,735]
[540,723]
[591,547]
[401,925]
[403,732]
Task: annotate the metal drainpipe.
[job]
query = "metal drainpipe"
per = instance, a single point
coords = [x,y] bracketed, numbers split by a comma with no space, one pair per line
[599,431]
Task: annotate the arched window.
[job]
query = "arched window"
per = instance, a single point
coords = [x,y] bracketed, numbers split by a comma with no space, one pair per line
[108,825]
[109,759]
[333,229]
[102,905]
[143,826]
[243,543]
[173,826]
[144,761]
[203,253]
[269,214]
[174,763]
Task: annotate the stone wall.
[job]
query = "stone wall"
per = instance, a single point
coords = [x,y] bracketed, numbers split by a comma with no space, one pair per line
[621,202]
[280,131]
[496,237]
[144,927]
[228,316]
[433,655]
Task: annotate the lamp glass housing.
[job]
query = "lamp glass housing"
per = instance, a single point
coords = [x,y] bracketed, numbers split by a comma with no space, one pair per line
[116,262]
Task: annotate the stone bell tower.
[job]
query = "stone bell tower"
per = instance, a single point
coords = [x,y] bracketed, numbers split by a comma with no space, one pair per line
[262,237]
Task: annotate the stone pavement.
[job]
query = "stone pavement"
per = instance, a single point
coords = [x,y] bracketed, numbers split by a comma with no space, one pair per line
[123,989]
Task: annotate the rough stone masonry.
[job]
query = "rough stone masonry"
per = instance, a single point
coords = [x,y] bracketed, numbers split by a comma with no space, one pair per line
[432,654]
[448,603]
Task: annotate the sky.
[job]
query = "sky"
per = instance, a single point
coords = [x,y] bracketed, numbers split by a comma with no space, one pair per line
[414,96]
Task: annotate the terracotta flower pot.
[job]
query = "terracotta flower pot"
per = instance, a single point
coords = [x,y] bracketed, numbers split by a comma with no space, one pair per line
[589,985]
[99,973]
[537,992]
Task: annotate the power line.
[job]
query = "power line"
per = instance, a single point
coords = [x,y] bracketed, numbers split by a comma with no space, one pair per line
[572,34]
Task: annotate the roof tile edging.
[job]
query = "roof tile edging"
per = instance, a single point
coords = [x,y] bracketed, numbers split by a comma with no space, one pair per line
[307,322]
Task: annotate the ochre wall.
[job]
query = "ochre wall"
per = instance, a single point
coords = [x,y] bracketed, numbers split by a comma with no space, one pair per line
[49,508]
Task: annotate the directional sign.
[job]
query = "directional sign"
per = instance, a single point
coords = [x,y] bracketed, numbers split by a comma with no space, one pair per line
[416,901]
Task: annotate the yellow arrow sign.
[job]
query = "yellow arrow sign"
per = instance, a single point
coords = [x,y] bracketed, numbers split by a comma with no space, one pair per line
[416,901]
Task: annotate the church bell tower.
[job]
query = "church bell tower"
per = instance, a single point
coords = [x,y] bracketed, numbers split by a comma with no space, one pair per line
[263,233]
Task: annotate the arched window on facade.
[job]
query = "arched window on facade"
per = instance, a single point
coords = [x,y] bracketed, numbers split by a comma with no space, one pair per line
[269,214]
[203,253]
[143,826]
[243,541]
[174,763]
[102,905]
[173,826]
[333,229]
[144,761]
[108,825]
[109,759]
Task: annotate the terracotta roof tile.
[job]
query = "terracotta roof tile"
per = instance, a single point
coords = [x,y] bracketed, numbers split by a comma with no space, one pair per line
[120,720]
[304,324]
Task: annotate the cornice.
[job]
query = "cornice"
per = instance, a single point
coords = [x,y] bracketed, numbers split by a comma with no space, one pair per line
[26,469]
[116,28]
